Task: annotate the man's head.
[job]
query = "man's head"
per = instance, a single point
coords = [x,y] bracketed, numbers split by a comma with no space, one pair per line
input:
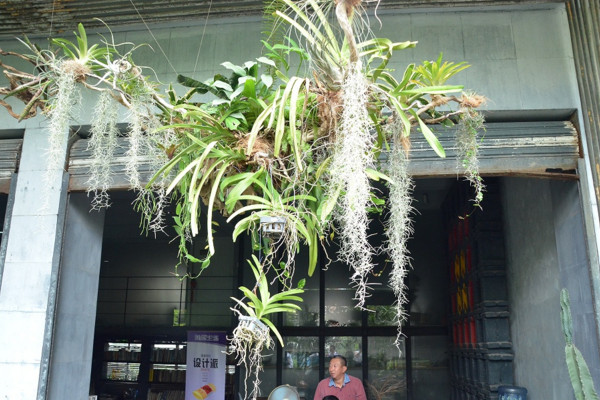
[337,368]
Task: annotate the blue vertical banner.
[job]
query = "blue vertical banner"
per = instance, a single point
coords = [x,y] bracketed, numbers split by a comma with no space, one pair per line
[205,371]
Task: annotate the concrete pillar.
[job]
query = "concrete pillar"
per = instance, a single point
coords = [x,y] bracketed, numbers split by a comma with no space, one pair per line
[30,276]
[574,267]
[75,318]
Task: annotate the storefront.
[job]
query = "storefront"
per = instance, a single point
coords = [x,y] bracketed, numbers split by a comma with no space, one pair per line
[484,291]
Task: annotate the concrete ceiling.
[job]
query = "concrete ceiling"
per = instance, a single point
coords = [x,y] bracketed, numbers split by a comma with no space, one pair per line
[55,17]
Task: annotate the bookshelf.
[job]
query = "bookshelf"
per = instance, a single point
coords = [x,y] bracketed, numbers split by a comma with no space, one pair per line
[142,367]
[168,363]
[122,361]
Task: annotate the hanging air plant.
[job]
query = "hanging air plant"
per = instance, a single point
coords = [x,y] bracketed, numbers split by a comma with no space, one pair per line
[102,144]
[399,228]
[467,143]
[64,100]
[352,156]
[63,76]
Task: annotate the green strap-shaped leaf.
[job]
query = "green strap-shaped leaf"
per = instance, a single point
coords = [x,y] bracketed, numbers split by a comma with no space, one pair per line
[243,224]
[313,253]
[268,112]
[256,303]
[247,208]
[328,205]
[280,128]
[297,85]
[402,115]
[195,203]
[211,203]
[244,181]
[317,35]
[257,199]
[432,139]
[322,168]
[191,165]
[166,169]
[324,22]
[274,330]
[65,46]
[296,197]
[82,40]
[311,40]
[281,308]
[249,310]
[288,295]
[377,175]
[445,89]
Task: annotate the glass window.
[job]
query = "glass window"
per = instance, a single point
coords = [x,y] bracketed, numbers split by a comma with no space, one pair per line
[268,376]
[387,370]
[340,305]
[380,303]
[301,364]
[430,375]
[428,280]
[348,346]
[309,315]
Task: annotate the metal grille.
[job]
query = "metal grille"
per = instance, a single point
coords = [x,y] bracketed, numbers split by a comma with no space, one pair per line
[57,17]
[585,35]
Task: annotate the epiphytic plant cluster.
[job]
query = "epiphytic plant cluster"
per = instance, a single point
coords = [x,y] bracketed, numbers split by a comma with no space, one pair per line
[269,143]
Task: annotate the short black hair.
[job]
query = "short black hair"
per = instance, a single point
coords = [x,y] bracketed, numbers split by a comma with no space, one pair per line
[330,397]
[344,362]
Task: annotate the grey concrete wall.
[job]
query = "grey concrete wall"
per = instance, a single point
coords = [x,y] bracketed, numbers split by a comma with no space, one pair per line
[75,316]
[574,269]
[533,288]
[521,59]
[546,251]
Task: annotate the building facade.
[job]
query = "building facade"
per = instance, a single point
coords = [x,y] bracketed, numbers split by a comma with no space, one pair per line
[73,281]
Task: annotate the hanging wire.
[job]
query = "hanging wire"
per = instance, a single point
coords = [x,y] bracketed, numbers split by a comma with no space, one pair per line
[260,236]
[260,244]
[51,21]
[180,301]
[202,37]
[153,37]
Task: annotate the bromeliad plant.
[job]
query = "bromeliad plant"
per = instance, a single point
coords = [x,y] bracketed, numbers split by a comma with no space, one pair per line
[269,142]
